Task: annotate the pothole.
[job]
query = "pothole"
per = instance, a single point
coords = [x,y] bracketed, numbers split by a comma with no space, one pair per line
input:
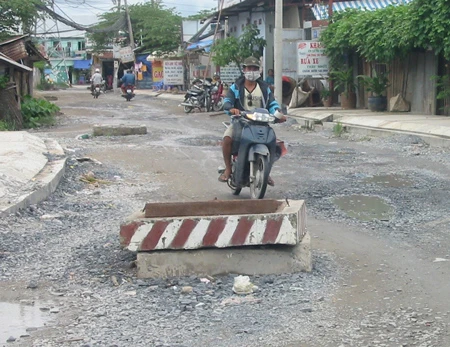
[365,208]
[19,320]
[393,181]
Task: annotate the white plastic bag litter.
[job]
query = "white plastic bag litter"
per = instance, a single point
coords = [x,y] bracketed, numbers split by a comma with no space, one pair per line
[242,285]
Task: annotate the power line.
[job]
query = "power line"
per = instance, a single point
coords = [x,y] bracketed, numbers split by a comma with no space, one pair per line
[119,24]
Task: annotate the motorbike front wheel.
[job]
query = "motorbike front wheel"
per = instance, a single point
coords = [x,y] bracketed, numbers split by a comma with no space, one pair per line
[261,170]
[208,103]
[217,106]
[187,109]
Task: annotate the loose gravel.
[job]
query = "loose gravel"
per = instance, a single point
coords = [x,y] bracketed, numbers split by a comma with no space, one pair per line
[66,248]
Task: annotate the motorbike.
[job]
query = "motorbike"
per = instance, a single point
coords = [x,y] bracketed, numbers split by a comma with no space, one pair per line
[217,96]
[255,149]
[199,96]
[97,91]
[129,92]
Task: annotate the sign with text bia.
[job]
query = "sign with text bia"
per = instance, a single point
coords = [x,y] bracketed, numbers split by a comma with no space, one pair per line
[312,60]
[173,72]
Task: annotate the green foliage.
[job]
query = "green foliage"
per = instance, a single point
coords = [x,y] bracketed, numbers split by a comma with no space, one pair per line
[338,129]
[159,26]
[388,33]
[325,93]
[377,83]
[40,65]
[16,16]
[102,40]
[443,88]
[236,49]
[430,24]
[5,126]
[343,80]
[37,112]
[3,81]
[202,14]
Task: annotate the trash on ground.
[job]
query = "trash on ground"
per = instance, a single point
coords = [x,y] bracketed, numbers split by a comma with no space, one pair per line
[242,285]
[91,179]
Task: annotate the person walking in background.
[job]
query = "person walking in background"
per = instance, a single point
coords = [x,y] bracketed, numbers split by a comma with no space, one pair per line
[270,79]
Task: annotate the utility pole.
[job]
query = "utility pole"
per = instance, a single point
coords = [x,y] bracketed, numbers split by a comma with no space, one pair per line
[278,50]
[116,62]
[130,29]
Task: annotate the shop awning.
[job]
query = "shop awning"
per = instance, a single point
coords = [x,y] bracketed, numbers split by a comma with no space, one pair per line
[321,11]
[204,44]
[82,64]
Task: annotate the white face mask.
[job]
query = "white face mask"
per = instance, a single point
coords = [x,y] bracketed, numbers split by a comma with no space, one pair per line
[252,75]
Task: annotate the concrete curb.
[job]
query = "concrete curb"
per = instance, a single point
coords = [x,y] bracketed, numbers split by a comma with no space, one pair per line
[44,183]
[432,140]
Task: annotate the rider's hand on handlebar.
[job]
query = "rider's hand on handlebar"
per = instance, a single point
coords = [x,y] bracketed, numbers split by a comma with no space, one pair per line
[280,116]
[235,111]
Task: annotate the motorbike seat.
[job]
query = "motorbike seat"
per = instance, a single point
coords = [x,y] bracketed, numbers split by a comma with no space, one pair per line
[195,92]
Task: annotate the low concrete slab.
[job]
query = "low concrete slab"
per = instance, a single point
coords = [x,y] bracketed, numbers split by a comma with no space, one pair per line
[215,224]
[27,176]
[244,261]
[119,130]
[434,130]
[319,116]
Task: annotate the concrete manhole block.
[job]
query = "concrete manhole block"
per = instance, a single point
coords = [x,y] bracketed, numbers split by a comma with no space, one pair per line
[119,130]
[215,224]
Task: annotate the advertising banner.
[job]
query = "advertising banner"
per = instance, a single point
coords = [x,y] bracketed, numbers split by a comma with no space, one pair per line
[157,70]
[312,60]
[229,73]
[126,54]
[173,72]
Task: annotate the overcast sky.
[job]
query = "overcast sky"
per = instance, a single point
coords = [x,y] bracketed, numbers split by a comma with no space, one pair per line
[86,11]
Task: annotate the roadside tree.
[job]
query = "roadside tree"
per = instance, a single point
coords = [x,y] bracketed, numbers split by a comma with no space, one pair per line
[236,49]
[17,16]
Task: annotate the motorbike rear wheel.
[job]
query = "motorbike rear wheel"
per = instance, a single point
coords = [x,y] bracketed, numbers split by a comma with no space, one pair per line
[261,170]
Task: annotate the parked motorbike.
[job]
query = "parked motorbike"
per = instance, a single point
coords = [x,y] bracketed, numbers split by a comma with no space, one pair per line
[255,149]
[129,92]
[217,96]
[199,96]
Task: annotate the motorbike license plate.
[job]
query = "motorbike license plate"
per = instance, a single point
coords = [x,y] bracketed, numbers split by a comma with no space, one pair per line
[129,90]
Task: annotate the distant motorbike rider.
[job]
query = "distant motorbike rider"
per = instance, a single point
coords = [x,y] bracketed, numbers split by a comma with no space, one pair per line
[249,91]
[96,79]
[129,79]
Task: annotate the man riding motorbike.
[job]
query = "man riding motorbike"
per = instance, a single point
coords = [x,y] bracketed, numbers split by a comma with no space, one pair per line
[96,79]
[128,79]
[249,91]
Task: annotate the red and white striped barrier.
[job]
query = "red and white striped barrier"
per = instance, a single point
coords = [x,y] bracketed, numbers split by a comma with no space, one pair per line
[286,226]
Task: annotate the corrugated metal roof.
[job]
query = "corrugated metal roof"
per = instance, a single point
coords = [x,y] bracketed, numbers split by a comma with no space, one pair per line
[9,61]
[15,50]
[12,39]
[321,11]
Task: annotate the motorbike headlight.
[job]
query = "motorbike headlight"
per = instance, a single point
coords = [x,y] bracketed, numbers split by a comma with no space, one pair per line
[260,117]
[214,89]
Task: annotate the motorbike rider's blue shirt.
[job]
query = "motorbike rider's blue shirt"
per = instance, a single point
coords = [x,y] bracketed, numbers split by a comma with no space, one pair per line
[236,94]
[128,79]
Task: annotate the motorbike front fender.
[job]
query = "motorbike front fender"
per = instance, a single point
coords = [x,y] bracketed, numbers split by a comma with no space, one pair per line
[258,149]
